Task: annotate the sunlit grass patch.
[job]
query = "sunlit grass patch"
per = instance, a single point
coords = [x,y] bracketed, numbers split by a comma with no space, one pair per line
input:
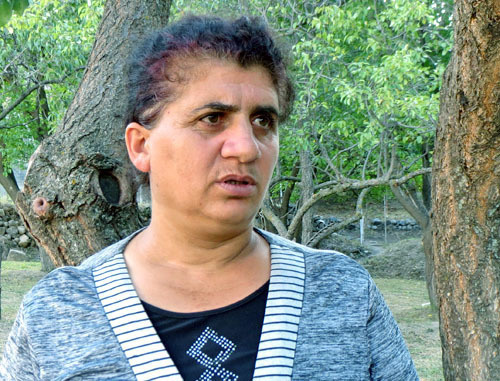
[17,278]
[409,303]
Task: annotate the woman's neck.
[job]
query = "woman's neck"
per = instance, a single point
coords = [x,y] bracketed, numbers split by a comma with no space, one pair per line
[186,272]
[167,243]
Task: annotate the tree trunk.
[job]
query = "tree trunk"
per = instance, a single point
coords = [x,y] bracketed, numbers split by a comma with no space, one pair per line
[413,206]
[426,179]
[466,197]
[307,190]
[79,192]
[284,208]
[8,182]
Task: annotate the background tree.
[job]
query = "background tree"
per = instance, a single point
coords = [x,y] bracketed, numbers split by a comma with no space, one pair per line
[43,54]
[8,7]
[367,76]
[466,178]
[79,192]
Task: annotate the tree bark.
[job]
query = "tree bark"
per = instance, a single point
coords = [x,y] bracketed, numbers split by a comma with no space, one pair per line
[79,192]
[426,179]
[8,181]
[417,210]
[466,197]
[306,192]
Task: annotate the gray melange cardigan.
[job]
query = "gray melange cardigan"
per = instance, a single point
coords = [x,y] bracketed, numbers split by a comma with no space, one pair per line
[324,320]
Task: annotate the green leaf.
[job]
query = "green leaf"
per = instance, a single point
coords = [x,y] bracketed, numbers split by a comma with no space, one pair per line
[19,6]
[5,12]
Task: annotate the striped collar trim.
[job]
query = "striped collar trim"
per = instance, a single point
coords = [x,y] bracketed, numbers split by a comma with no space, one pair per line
[144,350]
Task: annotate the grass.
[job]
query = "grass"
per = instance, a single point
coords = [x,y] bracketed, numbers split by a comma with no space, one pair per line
[410,306]
[17,278]
[407,299]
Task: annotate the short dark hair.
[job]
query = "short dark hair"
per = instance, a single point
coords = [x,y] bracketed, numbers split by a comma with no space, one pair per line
[246,41]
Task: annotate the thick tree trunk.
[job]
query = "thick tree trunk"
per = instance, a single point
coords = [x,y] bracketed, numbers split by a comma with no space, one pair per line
[466,197]
[79,192]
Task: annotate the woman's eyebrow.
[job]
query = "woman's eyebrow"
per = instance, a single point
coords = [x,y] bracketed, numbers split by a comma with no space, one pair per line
[218,106]
[266,110]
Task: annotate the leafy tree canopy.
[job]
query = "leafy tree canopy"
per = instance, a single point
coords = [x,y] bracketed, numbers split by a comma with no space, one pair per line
[42,56]
[367,75]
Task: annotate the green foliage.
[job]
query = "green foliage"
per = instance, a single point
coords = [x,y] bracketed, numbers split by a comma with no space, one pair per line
[7,7]
[367,71]
[49,43]
[367,76]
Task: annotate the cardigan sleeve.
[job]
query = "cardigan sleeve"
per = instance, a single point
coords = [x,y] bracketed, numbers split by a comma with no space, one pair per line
[390,360]
[19,363]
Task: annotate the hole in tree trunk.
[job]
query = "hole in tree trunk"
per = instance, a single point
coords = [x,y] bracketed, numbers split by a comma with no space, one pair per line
[110,187]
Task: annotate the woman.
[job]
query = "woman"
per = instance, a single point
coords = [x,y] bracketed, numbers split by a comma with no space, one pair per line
[199,294]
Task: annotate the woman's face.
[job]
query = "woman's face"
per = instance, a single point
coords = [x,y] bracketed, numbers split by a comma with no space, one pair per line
[212,152]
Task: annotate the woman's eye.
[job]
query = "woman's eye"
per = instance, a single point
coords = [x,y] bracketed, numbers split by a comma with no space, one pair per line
[263,121]
[212,118]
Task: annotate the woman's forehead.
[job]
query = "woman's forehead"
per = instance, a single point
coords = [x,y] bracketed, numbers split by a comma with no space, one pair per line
[227,82]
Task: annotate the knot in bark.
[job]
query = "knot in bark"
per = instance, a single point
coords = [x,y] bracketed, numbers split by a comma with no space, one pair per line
[41,207]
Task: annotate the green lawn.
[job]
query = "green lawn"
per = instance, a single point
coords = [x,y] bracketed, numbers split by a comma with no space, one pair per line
[16,279]
[409,304]
[406,298]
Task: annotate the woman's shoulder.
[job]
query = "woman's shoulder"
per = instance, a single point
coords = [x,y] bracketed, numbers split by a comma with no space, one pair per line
[317,260]
[71,282]
[327,272]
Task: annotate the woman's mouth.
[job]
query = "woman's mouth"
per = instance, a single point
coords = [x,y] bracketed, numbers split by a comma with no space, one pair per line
[238,186]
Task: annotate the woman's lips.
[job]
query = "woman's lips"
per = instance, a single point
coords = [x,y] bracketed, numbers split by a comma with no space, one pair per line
[238,186]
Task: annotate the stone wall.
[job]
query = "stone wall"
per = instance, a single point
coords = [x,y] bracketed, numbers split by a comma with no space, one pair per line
[14,237]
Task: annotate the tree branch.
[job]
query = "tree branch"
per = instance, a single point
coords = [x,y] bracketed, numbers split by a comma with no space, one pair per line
[273,218]
[27,92]
[384,180]
[327,230]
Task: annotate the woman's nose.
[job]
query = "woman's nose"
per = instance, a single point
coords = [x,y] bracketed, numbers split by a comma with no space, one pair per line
[241,143]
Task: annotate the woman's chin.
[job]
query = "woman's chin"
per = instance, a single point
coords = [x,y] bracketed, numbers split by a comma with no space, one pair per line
[236,218]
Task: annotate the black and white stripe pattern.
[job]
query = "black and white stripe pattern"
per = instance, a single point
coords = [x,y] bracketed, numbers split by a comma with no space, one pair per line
[133,329]
[144,350]
[281,320]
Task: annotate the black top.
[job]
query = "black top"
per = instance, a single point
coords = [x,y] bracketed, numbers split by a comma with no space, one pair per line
[219,344]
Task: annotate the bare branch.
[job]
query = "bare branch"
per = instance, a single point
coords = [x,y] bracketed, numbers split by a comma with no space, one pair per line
[28,91]
[327,230]
[273,218]
[6,127]
[357,185]
[278,180]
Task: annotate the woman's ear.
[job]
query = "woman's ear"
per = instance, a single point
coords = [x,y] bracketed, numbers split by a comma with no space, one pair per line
[136,139]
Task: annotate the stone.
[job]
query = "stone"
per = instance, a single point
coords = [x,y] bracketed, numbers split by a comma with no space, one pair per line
[16,255]
[2,213]
[3,248]
[12,231]
[12,223]
[21,230]
[377,221]
[2,230]
[24,241]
